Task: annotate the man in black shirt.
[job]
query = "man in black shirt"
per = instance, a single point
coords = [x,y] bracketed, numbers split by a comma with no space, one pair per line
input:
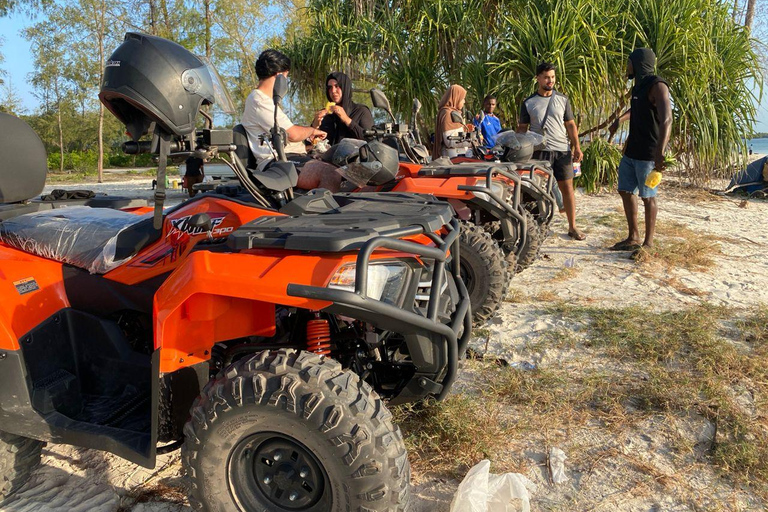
[650,123]
[194,174]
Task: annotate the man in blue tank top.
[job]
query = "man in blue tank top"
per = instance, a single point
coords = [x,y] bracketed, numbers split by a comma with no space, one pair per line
[650,123]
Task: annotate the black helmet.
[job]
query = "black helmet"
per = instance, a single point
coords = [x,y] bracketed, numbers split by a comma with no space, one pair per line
[346,151]
[150,79]
[377,164]
[385,158]
[518,147]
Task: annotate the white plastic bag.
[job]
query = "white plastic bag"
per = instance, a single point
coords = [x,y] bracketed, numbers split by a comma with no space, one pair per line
[480,491]
[557,465]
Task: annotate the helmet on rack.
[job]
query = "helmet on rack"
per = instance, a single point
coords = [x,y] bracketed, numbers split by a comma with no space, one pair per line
[518,147]
[149,80]
[377,164]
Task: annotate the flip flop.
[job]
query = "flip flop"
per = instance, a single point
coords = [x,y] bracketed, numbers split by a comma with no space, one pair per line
[577,235]
[624,246]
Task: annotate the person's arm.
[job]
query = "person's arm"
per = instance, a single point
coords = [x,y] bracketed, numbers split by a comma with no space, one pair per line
[298,133]
[364,122]
[623,117]
[573,131]
[573,136]
[660,98]
[524,120]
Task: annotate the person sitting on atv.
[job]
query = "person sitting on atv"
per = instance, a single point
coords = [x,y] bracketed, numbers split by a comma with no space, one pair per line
[258,118]
[446,127]
[489,125]
[344,119]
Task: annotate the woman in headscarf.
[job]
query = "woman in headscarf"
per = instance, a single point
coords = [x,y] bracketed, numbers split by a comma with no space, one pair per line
[452,101]
[346,119]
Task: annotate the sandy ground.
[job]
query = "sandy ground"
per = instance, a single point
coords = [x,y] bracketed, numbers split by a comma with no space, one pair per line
[86,480]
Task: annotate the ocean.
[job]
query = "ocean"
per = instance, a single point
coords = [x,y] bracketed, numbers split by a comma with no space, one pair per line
[759,146]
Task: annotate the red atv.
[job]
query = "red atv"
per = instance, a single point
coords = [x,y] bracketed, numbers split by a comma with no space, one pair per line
[261,342]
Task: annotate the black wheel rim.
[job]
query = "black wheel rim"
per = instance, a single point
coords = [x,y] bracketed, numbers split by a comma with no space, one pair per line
[467,274]
[274,470]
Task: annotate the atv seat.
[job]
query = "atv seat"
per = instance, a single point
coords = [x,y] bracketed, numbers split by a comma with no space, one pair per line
[94,239]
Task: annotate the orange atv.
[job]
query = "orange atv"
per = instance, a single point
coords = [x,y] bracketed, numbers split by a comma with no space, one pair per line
[509,195]
[487,198]
[261,342]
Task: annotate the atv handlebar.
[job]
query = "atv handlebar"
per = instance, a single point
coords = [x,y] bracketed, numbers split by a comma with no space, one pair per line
[359,299]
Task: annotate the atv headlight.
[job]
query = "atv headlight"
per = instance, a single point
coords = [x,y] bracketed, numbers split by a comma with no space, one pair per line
[386,281]
[497,187]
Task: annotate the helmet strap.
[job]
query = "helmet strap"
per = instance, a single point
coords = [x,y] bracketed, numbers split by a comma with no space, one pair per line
[162,162]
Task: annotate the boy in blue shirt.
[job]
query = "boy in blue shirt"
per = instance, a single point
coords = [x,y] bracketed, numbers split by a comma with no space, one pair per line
[490,126]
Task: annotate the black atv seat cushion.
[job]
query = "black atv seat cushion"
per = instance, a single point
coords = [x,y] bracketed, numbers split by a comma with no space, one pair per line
[94,239]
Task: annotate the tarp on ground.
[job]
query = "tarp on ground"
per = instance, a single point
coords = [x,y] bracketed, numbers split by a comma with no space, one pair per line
[751,179]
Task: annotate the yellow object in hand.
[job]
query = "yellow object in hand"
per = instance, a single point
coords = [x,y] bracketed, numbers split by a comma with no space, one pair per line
[653,179]
[328,106]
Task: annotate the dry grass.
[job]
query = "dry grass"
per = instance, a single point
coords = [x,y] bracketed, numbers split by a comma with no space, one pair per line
[627,366]
[674,282]
[564,274]
[155,493]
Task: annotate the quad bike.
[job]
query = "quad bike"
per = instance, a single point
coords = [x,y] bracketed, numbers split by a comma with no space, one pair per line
[510,200]
[261,342]
[482,264]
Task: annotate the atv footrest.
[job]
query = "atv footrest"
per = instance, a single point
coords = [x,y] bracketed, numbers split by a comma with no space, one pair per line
[58,391]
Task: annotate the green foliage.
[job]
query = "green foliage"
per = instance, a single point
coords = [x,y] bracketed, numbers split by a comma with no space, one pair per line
[600,166]
[416,48]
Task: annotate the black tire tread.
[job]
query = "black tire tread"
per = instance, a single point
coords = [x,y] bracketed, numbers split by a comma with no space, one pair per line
[478,240]
[310,375]
[19,457]
[532,246]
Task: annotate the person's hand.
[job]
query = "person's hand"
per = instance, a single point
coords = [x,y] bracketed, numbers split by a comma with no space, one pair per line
[577,155]
[339,111]
[319,134]
[319,115]
[659,163]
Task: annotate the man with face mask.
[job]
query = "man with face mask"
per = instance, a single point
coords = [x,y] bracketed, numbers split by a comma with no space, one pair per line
[650,123]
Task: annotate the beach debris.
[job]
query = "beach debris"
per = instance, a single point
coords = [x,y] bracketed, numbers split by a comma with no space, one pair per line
[523,365]
[481,491]
[556,464]
[570,262]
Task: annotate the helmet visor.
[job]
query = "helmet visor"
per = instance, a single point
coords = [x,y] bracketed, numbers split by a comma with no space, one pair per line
[206,82]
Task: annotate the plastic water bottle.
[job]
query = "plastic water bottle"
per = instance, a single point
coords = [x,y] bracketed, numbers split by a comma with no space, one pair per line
[576,169]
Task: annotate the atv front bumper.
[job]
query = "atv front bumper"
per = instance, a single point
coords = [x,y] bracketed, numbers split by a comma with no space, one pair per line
[446,332]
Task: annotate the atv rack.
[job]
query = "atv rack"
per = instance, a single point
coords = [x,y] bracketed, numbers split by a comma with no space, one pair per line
[360,301]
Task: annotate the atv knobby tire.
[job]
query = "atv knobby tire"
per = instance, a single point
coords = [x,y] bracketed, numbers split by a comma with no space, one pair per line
[293,431]
[483,270]
[19,457]
[533,241]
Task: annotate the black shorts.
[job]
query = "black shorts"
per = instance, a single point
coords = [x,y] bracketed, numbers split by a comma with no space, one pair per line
[562,163]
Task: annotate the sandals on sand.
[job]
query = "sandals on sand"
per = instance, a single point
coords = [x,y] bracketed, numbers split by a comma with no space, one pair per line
[577,235]
[624,246]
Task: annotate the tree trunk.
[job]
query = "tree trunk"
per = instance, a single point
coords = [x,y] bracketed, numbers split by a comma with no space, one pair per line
[152,18]
[207,5]
[102,30]
[58,121]
[749,18]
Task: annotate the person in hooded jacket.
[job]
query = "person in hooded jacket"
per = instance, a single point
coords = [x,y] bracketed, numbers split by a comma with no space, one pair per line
[650,124]
[445,127]
[346,119]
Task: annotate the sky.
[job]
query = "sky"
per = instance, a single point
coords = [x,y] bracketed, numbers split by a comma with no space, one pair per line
[18,65]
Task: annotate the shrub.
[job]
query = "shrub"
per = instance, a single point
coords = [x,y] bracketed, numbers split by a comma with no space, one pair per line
[600,166]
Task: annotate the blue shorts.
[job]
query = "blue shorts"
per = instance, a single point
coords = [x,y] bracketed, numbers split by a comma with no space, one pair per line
[632,175]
